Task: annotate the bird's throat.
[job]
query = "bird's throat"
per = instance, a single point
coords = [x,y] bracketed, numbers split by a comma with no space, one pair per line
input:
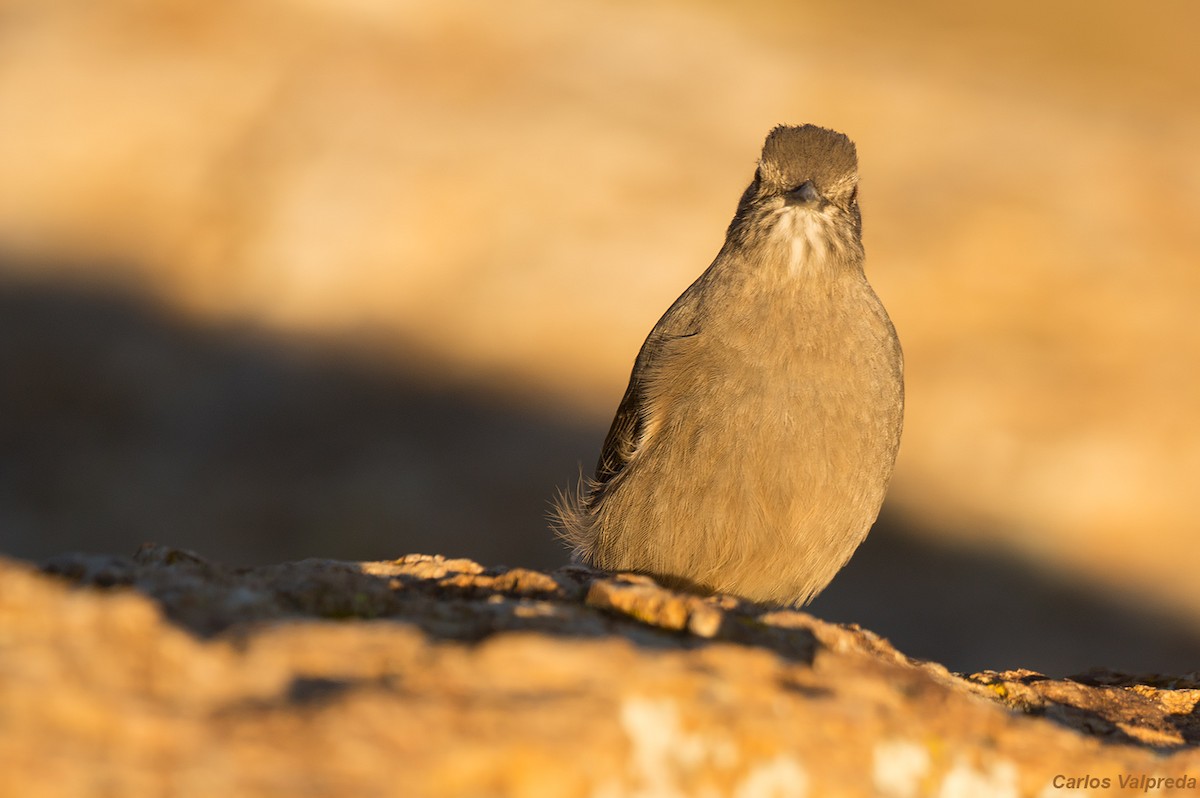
[806,237]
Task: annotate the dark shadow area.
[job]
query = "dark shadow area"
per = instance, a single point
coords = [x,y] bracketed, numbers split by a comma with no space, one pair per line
[121,422]
[972,609]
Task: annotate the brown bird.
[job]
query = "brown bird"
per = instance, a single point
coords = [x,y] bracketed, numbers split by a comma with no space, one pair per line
[754,445]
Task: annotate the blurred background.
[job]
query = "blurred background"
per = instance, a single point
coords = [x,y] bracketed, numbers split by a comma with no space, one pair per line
[358,278]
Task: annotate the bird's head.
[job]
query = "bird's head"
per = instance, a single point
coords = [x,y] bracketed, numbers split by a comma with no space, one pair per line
[804,190]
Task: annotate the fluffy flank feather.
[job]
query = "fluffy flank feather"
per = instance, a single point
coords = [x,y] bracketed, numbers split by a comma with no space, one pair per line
[571,516]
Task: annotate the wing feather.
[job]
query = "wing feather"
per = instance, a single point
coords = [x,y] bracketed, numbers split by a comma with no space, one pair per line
[626,435]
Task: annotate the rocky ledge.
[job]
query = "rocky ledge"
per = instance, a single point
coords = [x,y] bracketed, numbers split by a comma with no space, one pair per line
[166,674]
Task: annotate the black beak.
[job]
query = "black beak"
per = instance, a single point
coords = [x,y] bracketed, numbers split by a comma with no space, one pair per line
[803,194]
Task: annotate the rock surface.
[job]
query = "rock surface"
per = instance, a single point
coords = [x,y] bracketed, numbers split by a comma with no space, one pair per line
[166,674]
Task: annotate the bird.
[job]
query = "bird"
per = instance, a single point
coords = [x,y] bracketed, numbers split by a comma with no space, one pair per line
[753,447]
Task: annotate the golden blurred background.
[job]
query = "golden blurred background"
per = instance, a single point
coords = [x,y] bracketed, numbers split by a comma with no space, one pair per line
[292,278]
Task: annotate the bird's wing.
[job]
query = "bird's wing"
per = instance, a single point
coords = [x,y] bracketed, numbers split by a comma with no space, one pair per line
[625,436]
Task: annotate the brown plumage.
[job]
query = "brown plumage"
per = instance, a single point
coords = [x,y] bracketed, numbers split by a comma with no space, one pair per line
[753,447]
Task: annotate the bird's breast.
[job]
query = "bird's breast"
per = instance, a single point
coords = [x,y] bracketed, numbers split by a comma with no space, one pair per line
[823,365]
